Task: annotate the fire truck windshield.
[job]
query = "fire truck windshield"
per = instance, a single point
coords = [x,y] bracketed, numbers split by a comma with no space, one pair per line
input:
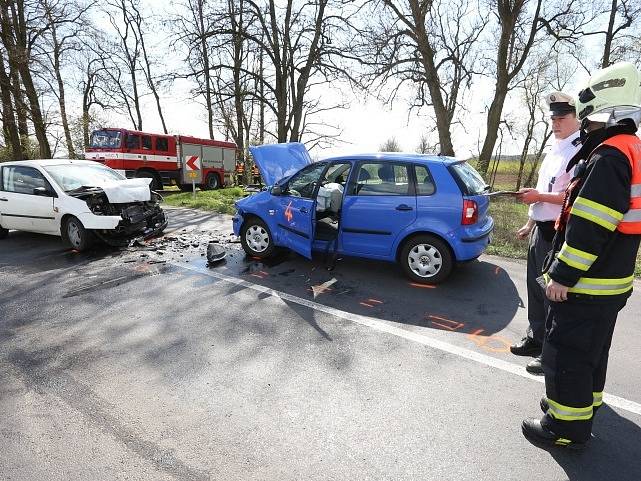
[105,139]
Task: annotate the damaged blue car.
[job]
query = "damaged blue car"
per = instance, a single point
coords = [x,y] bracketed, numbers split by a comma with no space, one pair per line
[424,212]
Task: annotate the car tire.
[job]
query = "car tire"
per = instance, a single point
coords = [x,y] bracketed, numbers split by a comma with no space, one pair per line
[75,235]
[212,182]
[3,232]
[426,259]
[156,182]
[256,239]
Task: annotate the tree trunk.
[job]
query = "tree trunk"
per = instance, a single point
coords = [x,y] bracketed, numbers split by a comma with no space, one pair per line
[61,92]
[206,73]
[20,106]
[607,47]
[14,37]
[8,119]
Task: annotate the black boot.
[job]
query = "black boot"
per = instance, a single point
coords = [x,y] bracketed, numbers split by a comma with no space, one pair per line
[526,347]
[544,404]
[535,367]
[539,436]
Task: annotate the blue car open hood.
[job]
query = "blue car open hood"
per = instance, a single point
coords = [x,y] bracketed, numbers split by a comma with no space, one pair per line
[276,161]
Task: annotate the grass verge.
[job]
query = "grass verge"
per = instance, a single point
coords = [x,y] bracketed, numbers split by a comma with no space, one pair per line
[220,200]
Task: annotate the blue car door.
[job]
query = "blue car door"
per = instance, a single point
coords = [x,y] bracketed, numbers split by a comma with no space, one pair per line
[379,204]
[296,215]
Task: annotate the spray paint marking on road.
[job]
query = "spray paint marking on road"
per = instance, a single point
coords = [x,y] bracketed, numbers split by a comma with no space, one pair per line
[389,328]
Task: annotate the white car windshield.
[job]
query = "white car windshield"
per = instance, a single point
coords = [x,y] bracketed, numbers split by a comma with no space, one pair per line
[73,176]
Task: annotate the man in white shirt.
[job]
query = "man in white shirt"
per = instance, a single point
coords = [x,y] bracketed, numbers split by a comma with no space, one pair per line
[545,206]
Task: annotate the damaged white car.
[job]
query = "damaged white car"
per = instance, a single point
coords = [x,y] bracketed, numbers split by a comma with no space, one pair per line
[79,200]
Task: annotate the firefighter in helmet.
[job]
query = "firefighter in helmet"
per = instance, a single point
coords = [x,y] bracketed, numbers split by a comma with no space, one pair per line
[589,273]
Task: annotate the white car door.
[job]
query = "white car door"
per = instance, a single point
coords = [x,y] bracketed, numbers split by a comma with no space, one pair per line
[21,207]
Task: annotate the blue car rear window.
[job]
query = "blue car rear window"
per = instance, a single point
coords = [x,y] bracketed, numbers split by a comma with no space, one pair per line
[469,180]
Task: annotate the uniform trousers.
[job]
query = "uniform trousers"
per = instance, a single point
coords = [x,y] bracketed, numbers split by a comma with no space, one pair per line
[575,362]
[537,303]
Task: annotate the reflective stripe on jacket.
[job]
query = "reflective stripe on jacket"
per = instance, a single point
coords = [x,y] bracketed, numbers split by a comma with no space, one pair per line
[630,146]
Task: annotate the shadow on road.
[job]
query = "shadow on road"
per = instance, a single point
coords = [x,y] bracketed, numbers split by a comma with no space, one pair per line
[614,453]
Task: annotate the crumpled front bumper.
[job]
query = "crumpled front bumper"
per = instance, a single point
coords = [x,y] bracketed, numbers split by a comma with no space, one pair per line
[137,226]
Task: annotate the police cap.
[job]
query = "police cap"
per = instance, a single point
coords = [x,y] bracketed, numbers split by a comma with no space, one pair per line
[560,104]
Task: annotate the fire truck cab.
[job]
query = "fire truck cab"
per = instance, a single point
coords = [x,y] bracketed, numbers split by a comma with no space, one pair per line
[167,159]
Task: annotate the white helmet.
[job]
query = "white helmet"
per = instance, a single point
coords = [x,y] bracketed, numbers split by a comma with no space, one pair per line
[612,94]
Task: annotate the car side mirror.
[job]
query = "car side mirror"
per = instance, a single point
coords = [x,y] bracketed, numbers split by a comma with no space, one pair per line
[277,190]
[43,192]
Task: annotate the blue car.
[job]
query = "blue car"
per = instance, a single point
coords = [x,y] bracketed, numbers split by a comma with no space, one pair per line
[425,212]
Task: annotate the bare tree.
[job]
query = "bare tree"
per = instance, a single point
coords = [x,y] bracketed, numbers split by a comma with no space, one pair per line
[426,145]
[9,126]
[19,31]
[390,145]
[300,45]
[124,57]
[191,23]
[64,21]
[518,25]
[617,29]
[536,83]
[432,45]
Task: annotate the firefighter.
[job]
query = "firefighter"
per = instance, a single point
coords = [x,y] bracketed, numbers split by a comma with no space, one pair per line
[590,274]
[240,172]
[545,205]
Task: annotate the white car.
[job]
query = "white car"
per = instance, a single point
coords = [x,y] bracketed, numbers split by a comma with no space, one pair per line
[78,200]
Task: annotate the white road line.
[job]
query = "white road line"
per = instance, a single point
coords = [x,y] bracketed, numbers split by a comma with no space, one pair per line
[383,326]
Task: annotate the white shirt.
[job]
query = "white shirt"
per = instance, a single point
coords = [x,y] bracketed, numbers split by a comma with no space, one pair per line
[553,177]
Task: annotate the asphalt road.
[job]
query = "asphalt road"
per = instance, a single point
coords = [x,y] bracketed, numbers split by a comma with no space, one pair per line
[147,364]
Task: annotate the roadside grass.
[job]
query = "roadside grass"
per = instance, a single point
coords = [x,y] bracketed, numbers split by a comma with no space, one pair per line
[508,216]
[220,200]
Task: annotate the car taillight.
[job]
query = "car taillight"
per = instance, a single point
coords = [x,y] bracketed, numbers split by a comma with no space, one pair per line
[470,212]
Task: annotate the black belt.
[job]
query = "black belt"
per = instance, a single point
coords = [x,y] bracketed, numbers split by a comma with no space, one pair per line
[547,229]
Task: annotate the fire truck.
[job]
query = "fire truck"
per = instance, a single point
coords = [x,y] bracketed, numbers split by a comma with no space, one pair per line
[167,159]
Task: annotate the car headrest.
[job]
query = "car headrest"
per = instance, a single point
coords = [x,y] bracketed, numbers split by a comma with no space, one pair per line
[386,173]
[363,175]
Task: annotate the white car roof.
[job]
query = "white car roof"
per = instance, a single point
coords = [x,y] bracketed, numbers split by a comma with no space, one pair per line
[46,162]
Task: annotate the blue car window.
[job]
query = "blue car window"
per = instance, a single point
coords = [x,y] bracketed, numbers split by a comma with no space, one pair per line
[378,178]
[424,181]
[303,183]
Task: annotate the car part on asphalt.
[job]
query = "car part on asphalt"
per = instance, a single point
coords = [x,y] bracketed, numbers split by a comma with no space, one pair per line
[215,253]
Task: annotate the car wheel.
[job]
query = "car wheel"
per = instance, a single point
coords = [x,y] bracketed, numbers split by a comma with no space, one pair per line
[211,183]
[256,239]
[75,235]
[156,183]
[3,233]
[426,259]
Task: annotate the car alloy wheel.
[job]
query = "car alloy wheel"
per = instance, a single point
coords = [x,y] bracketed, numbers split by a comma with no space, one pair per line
[425,260]
[257,238]
[74,233]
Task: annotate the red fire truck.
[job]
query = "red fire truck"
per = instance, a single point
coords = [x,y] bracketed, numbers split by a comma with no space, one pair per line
[167,159]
